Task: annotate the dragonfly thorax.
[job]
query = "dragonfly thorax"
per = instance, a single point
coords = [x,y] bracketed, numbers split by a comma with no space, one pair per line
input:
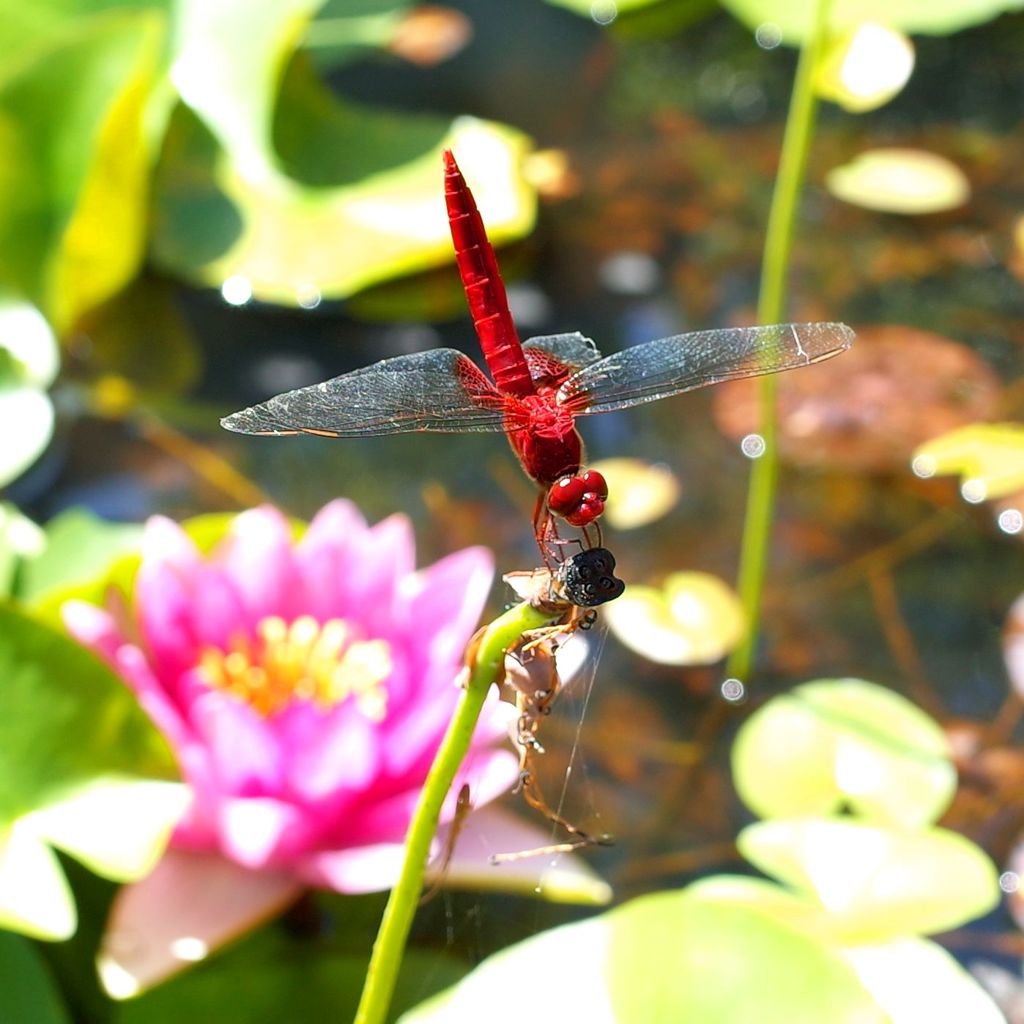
[544,438]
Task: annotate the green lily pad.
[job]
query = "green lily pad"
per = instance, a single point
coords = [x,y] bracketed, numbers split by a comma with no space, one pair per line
[908,181]
[877,883]
[74,161]
[292,194]
[670,956]
[844,744]
[78,547]
[935,17]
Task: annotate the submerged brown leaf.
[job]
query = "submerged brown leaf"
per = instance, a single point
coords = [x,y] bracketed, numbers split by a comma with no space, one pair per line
[869,409]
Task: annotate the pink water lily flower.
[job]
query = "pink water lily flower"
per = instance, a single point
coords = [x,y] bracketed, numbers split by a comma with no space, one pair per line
[303,686]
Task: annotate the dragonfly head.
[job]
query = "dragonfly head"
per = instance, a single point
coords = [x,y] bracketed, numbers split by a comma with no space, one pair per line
[579,500]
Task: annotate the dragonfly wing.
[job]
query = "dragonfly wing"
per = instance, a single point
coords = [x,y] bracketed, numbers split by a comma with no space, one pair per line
[440,390]
[555,357]
[684,362]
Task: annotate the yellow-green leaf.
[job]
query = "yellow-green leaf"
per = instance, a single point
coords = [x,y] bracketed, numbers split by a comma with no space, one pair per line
[877,883]
[694,619]
[895,180]
[865,67]
[842,744]
[74,161]
[989,458]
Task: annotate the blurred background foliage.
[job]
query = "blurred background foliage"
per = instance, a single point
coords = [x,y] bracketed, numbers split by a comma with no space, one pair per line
[203,202]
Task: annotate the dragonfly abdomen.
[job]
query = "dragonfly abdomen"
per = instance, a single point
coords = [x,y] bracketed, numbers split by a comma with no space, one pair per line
[485,291]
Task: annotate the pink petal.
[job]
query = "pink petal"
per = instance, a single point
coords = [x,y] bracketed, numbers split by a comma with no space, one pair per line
[330,754]
[93,627]
[367,592]
[263,832]
[219,614]
[245,758]
[189,906]
[257,556]
[363,869]
[164,589]
[324,554]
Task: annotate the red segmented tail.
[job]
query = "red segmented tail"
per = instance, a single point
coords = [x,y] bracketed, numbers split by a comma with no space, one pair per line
[482,282]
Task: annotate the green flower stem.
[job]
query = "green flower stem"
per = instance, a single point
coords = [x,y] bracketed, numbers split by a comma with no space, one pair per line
[771,305]
[501,634]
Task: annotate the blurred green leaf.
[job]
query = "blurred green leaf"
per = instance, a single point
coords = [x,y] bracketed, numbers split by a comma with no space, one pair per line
[20,539]
[915,980]
[70,730]
[116,827]
[74,163]
[296,192]
[877,883]
[273,976]
[989,457]
[844,744]
[34,894]
[667,957]
[27,992]
[142,335]
[78,547]
[65,718]
[29,362]
[936,17]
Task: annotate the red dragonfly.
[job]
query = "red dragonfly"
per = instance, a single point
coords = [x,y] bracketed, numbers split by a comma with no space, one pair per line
[536,389]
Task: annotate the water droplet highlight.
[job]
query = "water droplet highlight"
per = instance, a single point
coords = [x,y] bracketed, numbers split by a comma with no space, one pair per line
[236,290]
[753,446]
[734,691]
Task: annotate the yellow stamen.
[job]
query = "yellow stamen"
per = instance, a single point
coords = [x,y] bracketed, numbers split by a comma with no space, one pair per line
[321,663]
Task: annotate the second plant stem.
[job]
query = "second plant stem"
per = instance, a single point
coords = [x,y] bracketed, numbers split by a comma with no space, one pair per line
[771,308]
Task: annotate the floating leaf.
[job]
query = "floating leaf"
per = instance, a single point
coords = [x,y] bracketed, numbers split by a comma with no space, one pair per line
[74,162]
[989,457]
[915,980]
[900,181]
[844,744]
[877,883]
[865,67]
[694,619]
[670,956]
[639,492]
[794,18]
[323,197]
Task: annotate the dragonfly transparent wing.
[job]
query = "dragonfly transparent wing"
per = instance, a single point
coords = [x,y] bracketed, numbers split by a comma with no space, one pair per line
[440,390]
[669,366]
[555,356]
